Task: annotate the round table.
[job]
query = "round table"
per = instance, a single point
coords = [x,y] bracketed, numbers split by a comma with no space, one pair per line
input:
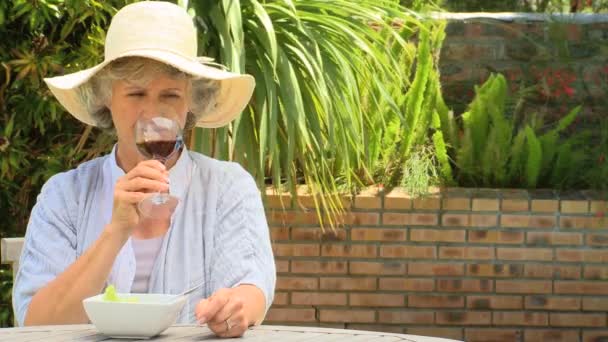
[263,333]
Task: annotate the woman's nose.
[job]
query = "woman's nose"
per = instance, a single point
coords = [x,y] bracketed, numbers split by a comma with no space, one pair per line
[151,108]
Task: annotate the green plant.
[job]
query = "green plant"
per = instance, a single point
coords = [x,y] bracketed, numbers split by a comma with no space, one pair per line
[308,121]
[497,149]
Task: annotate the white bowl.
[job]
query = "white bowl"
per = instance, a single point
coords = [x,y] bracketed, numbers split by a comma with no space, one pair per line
[148,317]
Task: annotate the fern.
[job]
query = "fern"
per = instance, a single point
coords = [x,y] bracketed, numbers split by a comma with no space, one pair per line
[534,160]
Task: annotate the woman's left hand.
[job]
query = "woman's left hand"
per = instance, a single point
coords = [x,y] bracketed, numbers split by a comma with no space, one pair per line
[223,312]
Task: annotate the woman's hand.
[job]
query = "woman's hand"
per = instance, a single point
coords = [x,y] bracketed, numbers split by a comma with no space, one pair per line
[224,313]
[148,176]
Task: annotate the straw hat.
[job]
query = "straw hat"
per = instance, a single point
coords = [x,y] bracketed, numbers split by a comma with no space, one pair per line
[164,32]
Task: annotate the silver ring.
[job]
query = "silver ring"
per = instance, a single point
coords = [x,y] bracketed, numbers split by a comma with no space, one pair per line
[228,326]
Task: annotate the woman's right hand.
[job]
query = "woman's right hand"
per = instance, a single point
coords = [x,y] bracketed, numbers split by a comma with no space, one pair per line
[146,177]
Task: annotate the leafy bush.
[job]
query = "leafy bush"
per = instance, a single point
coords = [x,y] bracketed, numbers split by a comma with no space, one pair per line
[499,148]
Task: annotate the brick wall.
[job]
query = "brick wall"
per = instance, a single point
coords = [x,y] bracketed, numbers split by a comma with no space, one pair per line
[480,265]
[552,53]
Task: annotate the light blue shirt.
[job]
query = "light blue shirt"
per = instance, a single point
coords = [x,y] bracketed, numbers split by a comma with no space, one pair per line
[218,234]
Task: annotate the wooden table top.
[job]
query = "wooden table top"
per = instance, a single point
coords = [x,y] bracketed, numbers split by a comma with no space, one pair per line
[263,333]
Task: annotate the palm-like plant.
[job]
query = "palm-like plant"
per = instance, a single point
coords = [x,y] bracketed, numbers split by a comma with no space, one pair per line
[325,71]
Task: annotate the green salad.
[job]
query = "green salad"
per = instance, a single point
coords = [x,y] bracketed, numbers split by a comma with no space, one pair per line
[111,296]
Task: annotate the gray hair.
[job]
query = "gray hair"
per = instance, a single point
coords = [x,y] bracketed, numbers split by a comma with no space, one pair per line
[96,94]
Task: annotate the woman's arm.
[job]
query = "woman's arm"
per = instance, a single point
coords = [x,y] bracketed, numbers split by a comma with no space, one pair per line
[243,275]
[60,300]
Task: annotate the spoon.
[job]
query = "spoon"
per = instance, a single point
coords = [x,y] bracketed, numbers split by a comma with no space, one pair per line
[192,289]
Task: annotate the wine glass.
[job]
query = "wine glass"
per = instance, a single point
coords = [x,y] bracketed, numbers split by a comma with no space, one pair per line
[158,137]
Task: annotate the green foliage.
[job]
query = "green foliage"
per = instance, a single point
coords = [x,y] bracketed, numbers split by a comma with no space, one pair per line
[326,89]
[497,150]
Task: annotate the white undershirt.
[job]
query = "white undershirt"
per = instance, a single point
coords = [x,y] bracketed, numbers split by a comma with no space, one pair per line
[145,251]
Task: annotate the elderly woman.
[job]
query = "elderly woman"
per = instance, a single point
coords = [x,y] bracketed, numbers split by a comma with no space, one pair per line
[86,232]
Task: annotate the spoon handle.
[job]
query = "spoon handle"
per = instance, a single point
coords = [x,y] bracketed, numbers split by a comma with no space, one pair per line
[192,289]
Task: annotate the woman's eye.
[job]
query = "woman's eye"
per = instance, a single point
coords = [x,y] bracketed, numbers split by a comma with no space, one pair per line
[172,96]
[135,94]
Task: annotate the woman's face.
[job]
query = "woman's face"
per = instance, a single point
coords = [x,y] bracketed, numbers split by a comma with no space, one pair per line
[131,101]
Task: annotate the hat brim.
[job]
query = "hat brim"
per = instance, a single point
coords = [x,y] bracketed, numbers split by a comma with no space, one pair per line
[234,93]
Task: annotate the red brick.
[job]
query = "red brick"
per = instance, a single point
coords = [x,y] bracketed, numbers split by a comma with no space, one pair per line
[596,272]
[550,335]
[407,284]
[449,333]
[581,287]
[576,255]
[597,240]
[553,238]
[282,266]
[435,269]
[290,315]
[514,205]
[574,207]
[598,207]
[520,318]
[375,327]
[366,234]
[276,199]
[545,206]
[466,253]
[464,318]
[348,283]
[455,203]
[316,234]
[595,304]
[496,237]
[491,334]
[437,235]
[397,199]
[527,221]
[349,251]
[542,302]
[495,270]
[427,203]
[523,286]
[403,251]
[378,268]
[318,298]
[406,317]
[376,300]
[316,267]
[578,320]
[368,199]
[552,271]
[280,217]
[595,335]
[362,219]
[284,249]
[579,222]
[297,283]
[435,301]
[485,204]
[347,316]
[279,233]
[281,298]
[524,254]
[494,302]
[464,285]
[469,220]
[399,219]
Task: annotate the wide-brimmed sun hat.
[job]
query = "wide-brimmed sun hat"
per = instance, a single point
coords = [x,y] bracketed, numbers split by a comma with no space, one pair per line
[163,32]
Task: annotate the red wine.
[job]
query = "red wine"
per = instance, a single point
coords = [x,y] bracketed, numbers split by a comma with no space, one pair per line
[157,148]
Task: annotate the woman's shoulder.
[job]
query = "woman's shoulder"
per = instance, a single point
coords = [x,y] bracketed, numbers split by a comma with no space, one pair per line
[219,168]
[82,174]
